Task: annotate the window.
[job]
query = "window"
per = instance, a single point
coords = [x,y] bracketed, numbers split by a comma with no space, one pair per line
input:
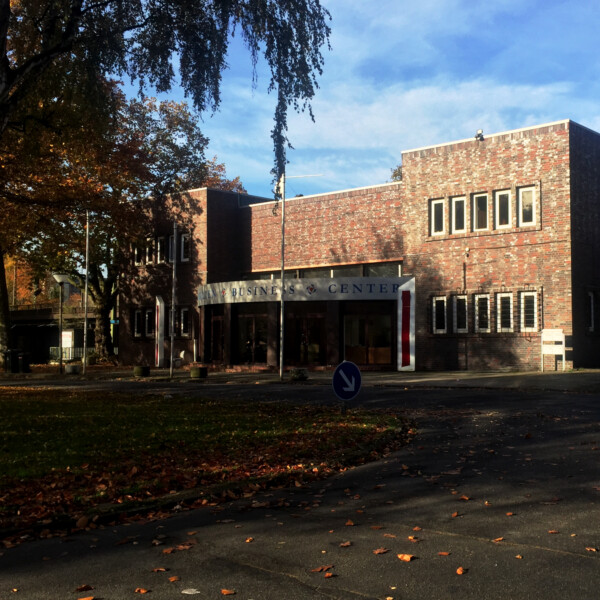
[526,206]
[480,212]
[387,269]
[459,309]
[149,322]
[590,311]
[439,314]
[137,323]
[149,251]
[529,311]
[502,210]
[459,215]
[504,312]
[160,250]
[184,322]
[185,247]
[482,313]
[138,255]
[437,217]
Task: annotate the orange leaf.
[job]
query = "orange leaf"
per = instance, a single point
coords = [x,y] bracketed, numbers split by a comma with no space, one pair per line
[389,535]
[405,557]
[87,598]
[228,592]
[553,531]
[173,579]
[376,527]
[519,556]
[248,540]
[460,571]
[589,549]
[141,591]
[443,553]
[499,539]
[413,539]
[465,498]
[509,514]
[416,528]
[160,570]
[455,514]
[84,588]
[328,575]
[345,544]
[349,523]
[380,551]
[321,569]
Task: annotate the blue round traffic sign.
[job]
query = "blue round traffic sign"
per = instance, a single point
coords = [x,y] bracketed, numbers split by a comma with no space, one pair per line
[346,380]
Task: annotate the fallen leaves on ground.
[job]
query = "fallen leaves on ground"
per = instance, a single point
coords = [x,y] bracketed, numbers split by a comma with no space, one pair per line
[193,453]
[322,569]
[226,592]
[461,571]
[406,557]
[381,551]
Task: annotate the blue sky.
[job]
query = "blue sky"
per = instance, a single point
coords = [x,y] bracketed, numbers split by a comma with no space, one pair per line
[411,74]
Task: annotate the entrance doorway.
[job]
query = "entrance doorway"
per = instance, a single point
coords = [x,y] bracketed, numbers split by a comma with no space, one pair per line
[368,339]
[252,339]
[305,339]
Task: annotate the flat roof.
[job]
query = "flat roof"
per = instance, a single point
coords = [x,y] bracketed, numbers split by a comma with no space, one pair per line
[490,135]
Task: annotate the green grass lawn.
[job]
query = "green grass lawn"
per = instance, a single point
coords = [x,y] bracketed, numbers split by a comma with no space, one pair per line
[67,453]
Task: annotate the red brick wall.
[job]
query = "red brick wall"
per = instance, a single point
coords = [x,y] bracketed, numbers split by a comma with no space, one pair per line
[506,260]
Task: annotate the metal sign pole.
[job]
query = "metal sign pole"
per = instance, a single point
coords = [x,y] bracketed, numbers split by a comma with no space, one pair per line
[85,297]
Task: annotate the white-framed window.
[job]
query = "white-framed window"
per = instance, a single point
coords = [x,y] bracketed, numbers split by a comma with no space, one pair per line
[528,310]
[138,255]
[460,315]
[504,312]
[149,320]
[138,323]
[149,251]
[480,212]
[526,206]
[184,322]
[482,313]
[185,251]
[172,249]
[161,250]
[459,215]
[590,311]
[502,209]
[438,306]
[436,217]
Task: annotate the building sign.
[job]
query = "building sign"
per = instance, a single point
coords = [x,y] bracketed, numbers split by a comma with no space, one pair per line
[400,289]
[299,290]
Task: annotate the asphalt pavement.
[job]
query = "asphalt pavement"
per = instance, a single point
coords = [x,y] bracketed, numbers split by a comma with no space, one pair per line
[498,496]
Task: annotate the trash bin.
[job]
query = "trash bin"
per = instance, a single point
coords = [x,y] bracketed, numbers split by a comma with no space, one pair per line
[11,361]
[24,362]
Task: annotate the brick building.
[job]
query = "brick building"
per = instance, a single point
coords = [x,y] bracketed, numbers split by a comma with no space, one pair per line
[499,235]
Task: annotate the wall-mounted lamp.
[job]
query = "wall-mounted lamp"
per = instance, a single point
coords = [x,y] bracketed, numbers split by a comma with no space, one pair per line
[479,135]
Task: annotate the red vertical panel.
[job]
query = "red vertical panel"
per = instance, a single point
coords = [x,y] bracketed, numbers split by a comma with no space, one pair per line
[405,335]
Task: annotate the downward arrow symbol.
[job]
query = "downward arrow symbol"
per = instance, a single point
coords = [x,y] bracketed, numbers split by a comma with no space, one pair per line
[350,385]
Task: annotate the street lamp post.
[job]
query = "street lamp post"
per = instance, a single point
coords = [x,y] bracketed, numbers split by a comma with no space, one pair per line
[61,280]
[281,193]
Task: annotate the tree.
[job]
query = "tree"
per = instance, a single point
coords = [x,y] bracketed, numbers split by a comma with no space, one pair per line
[49,48]
[157,149]
[143,39]
[397,173]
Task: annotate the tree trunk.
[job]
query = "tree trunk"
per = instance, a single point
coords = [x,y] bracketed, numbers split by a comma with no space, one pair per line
[5,336]
[104,343]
